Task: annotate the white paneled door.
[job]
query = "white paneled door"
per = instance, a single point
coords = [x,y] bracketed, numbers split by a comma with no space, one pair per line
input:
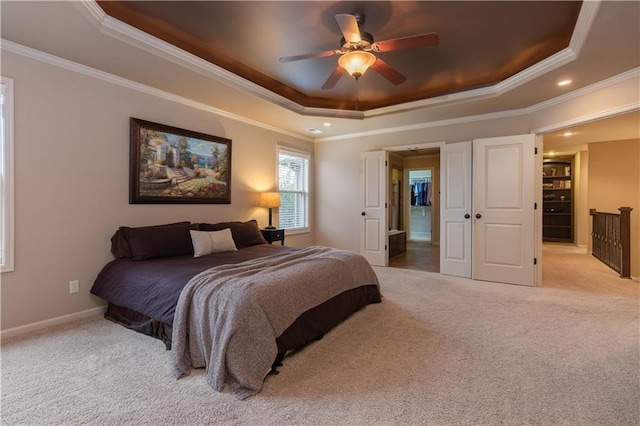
[373,229]
[456,209]
[503,209]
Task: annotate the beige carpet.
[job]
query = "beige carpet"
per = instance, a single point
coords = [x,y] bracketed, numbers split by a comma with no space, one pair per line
[569,267]
[438,350]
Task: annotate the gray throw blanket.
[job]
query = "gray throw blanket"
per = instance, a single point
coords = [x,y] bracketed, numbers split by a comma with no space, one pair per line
[228,317]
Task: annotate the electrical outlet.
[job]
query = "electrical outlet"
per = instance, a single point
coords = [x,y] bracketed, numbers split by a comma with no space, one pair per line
[74,286]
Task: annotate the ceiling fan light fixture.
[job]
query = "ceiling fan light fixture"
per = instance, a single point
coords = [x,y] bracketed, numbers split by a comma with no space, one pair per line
[356,62]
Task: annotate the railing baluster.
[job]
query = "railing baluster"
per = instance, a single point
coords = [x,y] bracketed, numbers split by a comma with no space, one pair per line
[611,239]
[625,241]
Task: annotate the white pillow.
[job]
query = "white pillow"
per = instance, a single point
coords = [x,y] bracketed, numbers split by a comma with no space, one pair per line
[212,242]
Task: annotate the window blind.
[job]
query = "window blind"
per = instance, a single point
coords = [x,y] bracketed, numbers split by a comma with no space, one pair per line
[293,185]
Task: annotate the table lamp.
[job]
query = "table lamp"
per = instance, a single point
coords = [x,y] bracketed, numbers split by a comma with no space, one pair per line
[270,200]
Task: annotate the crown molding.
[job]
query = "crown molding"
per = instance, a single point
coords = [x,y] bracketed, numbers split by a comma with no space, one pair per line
[617,79]
[91,7]
[123,82]
[92,11]
[586,17]
[117,29]
[104,76]
[585,119]
[128,34]
[603,84]
[549,64]
[419,126]
[424,145]
[588,12]
[135,37]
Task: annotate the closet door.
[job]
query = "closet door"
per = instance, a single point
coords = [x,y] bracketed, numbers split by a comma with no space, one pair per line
[503,209]
[456,208]
[373,229]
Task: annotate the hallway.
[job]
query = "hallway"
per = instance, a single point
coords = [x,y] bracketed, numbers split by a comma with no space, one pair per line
[569,267]
[564,266]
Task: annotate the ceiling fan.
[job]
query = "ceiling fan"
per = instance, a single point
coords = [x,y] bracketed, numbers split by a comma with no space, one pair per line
[356,51]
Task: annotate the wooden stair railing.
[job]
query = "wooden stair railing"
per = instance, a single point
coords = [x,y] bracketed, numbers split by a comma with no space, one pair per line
[611,238]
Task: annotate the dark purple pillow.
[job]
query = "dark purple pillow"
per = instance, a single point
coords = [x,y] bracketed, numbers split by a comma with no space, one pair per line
[119,246]
[151,242]
[244,234]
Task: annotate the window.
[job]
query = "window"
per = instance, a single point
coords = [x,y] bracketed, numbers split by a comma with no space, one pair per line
[293,184]
[6,175]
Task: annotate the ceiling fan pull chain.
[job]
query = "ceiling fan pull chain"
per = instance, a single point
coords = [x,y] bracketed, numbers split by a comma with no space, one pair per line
[357,95]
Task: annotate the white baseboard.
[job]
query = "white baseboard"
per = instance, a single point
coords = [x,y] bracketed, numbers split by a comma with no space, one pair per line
[16,331]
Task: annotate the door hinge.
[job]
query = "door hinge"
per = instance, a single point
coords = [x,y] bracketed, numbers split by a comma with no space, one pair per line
[535,206]
[385,163]
[385,205]
[536,150]
[385,247]
[535,260]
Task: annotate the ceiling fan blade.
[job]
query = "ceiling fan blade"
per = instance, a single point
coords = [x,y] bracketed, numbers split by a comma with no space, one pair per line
[349,26]
[387,72]
[309,56]
[421,40]
[333,78]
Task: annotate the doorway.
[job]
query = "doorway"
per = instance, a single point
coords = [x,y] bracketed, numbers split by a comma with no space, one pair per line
[418,212]
[419,256]
[603,161]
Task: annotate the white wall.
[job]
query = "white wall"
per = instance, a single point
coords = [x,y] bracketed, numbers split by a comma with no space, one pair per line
[72,177]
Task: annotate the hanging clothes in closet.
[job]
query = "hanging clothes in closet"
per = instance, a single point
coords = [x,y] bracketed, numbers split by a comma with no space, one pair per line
[420,192]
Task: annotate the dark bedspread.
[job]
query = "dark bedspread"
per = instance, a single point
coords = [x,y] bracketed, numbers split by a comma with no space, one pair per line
[153,287]
[228,318]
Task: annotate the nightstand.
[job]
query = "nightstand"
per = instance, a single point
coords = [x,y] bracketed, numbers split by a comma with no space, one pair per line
[272,235]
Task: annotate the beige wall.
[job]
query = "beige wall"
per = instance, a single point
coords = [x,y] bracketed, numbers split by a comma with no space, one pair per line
[614,172]
[71,176]
[71,153]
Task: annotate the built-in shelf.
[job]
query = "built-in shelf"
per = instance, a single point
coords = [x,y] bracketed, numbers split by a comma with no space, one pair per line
[557,200]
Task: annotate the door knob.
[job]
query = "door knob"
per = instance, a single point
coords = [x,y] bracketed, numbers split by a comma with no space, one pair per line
[467,216]
[363,214]
[478,215]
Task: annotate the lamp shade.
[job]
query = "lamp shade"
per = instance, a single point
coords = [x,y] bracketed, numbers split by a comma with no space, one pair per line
[270,199]
[357,62]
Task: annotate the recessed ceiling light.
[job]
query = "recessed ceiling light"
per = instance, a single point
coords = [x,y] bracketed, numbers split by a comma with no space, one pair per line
[314,130]
[327,124]
[564,82]
[567,134]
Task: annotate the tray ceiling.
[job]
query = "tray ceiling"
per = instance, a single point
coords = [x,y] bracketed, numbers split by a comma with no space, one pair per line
[481,43]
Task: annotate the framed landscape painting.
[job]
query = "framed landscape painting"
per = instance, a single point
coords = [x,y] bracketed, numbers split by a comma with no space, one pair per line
[168,165]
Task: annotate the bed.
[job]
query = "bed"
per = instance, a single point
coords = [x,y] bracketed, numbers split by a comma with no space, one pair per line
[221,298]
